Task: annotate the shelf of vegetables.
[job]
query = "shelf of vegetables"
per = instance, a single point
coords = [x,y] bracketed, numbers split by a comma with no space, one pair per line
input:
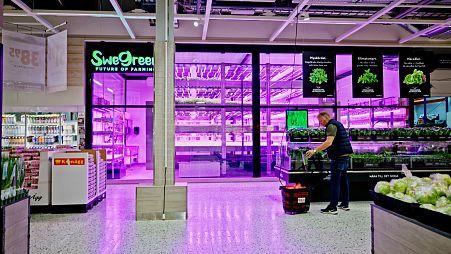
[378,155]
[420,202]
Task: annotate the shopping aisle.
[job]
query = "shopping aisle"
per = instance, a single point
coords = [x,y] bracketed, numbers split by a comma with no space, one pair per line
[223,218]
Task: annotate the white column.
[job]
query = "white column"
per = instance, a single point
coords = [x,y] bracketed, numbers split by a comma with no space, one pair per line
[164,200]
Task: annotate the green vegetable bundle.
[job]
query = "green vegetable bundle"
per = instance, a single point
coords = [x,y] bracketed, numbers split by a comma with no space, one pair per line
[416,78]
[433,193]
[367,78]
[12,181]
[318,76]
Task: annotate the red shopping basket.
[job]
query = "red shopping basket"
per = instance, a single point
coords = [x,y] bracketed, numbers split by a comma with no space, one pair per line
[295,200]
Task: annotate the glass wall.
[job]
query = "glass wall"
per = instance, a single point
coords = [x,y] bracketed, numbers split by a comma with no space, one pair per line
[437,112]
[281,90]
[213,119]
[213,94]
[122,122]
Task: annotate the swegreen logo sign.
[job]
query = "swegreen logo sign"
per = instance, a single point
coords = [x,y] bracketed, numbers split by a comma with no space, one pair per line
[123,62]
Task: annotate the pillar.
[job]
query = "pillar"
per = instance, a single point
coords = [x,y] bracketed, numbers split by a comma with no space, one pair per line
[165,199]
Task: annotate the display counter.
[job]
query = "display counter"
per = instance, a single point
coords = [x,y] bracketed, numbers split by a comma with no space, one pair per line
[377,157]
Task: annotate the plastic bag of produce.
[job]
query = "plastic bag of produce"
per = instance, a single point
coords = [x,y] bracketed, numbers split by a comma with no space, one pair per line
[382,187]
[409,199]
[439,188]
[442,202]
[426,180]
[398,185]
[428,206]
[425,195]
[398,195]
[441,178]
[445,209]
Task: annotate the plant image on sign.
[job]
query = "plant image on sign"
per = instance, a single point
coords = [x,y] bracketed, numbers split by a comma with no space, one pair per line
[416,78]
[367,78]
[318,76]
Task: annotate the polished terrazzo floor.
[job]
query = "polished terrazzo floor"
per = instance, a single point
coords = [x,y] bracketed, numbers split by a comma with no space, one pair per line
[223,218]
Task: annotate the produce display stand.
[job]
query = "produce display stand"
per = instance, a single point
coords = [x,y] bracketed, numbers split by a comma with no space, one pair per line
[392,232]
[75,178]
[15,227]
[359,181]
[289,167]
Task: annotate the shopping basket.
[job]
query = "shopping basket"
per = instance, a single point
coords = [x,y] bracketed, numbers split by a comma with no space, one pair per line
[295,199]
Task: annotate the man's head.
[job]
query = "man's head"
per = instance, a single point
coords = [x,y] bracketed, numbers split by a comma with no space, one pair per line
[323,118]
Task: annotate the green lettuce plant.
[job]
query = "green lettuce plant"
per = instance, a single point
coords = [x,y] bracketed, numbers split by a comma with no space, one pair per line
[367,78]
[415,78]
[318,76]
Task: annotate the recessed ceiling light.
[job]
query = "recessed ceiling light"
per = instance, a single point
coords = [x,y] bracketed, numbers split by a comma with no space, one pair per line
[196,23]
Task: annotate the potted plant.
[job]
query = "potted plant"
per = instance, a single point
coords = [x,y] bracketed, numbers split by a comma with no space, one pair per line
[381,134]
[317,135]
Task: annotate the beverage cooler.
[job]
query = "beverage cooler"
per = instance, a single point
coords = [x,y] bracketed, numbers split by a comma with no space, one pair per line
[40,130]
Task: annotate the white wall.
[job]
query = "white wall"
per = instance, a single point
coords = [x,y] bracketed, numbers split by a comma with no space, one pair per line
[73,98]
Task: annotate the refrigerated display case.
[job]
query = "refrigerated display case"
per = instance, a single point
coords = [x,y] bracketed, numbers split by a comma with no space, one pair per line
[40,130]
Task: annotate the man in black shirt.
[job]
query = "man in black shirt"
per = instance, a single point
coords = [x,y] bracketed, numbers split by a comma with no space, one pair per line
[338,150]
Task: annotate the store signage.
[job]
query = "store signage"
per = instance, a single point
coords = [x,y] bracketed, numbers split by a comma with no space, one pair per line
[318,74]
[296,119]
[367,76]
[119,57]
[57,62]
[23,61]
[69,162]
[443,61]
[414,76]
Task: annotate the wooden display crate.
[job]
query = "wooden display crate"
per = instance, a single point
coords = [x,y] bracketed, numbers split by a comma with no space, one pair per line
[15,226]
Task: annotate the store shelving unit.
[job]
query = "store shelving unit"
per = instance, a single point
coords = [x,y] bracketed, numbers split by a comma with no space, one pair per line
[109,134]
[13,131]
[39,131]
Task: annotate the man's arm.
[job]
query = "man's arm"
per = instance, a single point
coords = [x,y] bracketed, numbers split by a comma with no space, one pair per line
[322,147]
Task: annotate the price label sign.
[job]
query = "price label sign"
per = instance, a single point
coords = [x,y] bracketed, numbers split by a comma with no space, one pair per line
[57,62]
[25,57]
[24,61]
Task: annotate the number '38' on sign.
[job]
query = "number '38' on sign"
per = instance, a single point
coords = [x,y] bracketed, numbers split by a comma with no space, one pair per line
[25,56]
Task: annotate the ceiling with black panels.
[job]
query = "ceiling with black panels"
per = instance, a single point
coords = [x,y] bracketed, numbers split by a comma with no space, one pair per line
[428,19]
[316,8]
[87,5]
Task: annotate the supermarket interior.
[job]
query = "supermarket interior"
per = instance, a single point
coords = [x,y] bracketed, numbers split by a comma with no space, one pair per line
[222,126]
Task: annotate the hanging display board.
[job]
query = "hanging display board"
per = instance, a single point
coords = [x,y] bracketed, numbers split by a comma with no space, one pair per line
[367,76]
[318,74]
[57,62]
[23,61]
[414,76]
[119,57]
[443,61]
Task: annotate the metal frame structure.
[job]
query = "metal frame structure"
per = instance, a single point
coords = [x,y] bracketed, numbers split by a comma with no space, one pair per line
[421,14]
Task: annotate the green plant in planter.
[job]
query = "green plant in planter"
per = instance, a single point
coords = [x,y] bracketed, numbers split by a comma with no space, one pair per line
[317,133]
